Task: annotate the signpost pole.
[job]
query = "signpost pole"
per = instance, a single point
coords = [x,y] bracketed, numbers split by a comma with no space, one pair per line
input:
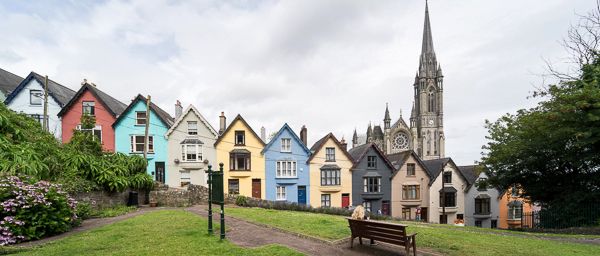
[222,203]
[210,215]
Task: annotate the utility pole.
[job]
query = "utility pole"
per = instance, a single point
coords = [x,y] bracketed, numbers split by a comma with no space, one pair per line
[147,127]
[45,122]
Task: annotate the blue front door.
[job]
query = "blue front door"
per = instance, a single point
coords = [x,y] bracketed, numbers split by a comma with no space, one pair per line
[301,194]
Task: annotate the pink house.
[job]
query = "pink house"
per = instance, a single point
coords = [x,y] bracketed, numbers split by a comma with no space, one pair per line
[94,102]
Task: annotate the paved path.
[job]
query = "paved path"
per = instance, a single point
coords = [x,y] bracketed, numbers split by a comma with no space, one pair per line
[91,224]
[247,234]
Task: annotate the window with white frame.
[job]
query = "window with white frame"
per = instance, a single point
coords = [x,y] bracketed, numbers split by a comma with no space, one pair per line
[137,144]
[140,118]
[515,210]
[35,97]
[286,169]
[192,127]
[372,184]
[96,131]
[191,152]
[281,195]
[185,178]
[286,145]
[367,205]
[330,154]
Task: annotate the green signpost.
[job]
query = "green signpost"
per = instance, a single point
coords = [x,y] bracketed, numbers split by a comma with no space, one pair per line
[216,195]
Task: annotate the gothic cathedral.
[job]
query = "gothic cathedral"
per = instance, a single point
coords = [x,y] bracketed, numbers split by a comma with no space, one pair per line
[425,135]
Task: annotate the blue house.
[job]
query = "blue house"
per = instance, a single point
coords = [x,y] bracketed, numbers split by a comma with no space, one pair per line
[130,135]
[286,171]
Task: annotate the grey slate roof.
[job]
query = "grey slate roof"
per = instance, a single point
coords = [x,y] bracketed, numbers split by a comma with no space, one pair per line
[398,159]
[359,152]
[163,115]
[114,106]
[469,172]
[8,81]
[58,92]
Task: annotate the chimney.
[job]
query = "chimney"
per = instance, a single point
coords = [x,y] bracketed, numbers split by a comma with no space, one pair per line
[178,109]
[263,134]
[303,135]
[84,82]
[222,123]
[344,144]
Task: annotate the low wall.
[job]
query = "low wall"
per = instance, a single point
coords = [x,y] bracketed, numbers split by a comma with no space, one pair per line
[103,199]
[193,195]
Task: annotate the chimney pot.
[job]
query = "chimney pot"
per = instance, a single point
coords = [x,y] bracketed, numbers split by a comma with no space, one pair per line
[303,134]
[222,123]
[178,109]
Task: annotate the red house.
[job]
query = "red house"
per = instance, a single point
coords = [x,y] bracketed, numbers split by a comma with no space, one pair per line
[102,106]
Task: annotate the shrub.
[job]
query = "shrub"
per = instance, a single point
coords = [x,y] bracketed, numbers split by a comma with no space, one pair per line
[32,210]
[241,201]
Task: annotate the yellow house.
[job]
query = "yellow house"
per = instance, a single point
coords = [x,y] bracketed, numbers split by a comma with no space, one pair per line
[239,149]
[330,176]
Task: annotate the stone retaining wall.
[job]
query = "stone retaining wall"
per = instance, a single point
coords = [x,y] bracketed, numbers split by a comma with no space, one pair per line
[103,199]
[193,195]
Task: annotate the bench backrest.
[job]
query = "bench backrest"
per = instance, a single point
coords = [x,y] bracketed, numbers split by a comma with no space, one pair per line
[381,231]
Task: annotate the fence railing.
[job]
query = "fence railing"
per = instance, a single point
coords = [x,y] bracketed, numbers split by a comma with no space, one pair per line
[558,219]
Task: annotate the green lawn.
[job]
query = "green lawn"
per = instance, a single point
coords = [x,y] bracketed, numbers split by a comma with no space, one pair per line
[443,238]
[167,232]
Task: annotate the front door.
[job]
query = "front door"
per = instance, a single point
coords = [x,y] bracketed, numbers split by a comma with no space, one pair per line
[301,194]
[159,167]
[345,200]
[385,207]
[424,214]
[256,188]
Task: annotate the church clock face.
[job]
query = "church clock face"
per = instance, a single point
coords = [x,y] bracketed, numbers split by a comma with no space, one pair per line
[400,141]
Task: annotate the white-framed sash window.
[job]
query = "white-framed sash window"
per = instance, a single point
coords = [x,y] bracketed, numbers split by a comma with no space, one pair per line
[191,152]
[281,193]
[286,169]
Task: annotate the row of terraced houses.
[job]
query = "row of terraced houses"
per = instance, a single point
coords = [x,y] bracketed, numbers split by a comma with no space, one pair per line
[400,170]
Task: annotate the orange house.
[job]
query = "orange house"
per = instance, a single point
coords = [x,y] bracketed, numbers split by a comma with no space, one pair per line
[511,207]
[93,102]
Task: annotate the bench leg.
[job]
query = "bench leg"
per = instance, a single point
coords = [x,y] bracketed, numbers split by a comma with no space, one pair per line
[414,244]
[351,241]
[360,239]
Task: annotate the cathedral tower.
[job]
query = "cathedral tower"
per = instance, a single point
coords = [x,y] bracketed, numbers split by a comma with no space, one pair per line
[426,121]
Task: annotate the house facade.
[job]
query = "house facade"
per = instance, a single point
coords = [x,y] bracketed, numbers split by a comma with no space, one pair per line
[330,176]
[239,148]
[191,149]
[8,83]
[511,207]
[371,179]
[130,129]
[446,191]
[28,98]
[91,101]
[481,201]
[410,187]
[287,171]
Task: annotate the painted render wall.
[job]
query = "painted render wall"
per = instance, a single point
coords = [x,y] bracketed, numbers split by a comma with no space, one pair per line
[197,169]
[22,104]
[126,128]
[299,155]
[316,190]
[358,175]
[504,222]
[401,178]
[257,160]
[104,119]
[459,183]
[486,220]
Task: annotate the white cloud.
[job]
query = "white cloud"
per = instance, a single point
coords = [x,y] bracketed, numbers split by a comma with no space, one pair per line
[331,65]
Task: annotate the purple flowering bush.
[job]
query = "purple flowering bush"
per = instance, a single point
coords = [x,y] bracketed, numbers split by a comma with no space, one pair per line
[32,210]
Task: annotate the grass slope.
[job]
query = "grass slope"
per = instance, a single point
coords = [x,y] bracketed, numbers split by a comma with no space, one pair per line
[168,232]
[443,238]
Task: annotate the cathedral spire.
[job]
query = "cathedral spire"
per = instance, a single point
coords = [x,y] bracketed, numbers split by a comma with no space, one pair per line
[369,132]
[354,139]
[386,118]
[427,38]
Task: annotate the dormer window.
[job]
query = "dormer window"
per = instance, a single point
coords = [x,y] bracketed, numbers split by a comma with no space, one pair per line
[286,145]
[240,138]
[410,169]
[192,127]
[140,118]
[88,108]
[447,177]
[371,162]
[330,154]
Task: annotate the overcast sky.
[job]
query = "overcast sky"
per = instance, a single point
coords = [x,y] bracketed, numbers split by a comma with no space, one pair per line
[329,65]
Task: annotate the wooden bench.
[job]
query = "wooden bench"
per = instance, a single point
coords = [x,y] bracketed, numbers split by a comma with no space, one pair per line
[383,232]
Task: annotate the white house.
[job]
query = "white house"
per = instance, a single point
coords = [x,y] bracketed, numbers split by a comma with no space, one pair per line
[28,98]
[191,148]
[447,187]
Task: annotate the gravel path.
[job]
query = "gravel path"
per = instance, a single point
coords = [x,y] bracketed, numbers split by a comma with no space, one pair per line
[248,234]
